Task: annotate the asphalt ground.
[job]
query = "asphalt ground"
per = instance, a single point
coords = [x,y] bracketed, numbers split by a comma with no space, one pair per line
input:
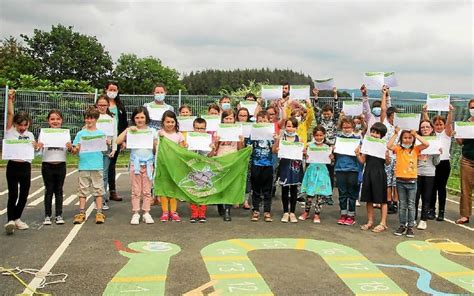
[292,259]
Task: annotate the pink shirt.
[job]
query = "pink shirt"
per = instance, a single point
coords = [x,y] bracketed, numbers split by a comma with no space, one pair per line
[175,137]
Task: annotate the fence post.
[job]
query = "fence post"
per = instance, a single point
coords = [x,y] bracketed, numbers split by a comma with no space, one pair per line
[96,93]
[353,96]
[5,111]
[179,98]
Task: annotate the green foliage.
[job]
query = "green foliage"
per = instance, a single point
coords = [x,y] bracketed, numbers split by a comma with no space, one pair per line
[250,87]
[31,82]
[14,61]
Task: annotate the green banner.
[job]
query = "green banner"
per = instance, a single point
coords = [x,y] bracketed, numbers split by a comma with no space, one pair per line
[191,177]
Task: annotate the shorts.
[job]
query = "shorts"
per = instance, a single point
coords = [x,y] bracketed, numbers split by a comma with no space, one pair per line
[88,178]
[390,171]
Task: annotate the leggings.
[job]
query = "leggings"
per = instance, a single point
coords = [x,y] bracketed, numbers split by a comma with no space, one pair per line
[318,204]
[289,194]
[53,178]
[17,173]
[111,176]
[443,169]
[425,187]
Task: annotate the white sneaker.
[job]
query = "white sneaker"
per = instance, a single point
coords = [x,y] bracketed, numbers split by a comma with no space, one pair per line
[21,225]
[135,219]
[422,225]
[59,220]
[47,221]
[105,206]
[285,218]
[357,203]
[148,219]
[10,227]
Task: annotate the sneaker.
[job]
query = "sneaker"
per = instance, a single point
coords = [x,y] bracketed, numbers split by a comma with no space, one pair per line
[431,215]
[99,218]
[165,217]
[410,232]
[148,219]
[175,217]
[10,227]
[350,220]
[255,216]
[202,214]
[400,231]
[267,217]
[21,225]
[79,218]
[357,203]
[316,219]
[303,216]
[293,218]
[422,225]
[285,218]
[341,219]
[193,219]
[135,219]
[47,221]
[59,220]
[202,219]
[105,206]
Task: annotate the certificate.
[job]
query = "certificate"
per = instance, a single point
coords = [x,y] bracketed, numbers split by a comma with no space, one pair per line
[291,150]
[262,131]
[435,102]
[390,80]
[17,149]
[324,84]
[434,147]
[464,130]
[140,139]
[54,137]
[374,147]
[299,92]
[318,154]
[199,141]
[186,123]
[250,105]
[352,108]
[107,125]
[93,143]
[156,111]
[212,122]
[407,121]
[246,128]
[229,132]
[272,92]
[346,146]
[374,79]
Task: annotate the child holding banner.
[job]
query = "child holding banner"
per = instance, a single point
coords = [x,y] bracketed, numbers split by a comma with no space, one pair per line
[243,115]
[18,170]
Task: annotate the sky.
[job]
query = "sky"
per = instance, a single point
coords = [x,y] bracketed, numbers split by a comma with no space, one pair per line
[429,44]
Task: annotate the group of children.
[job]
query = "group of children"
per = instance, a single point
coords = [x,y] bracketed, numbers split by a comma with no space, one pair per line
[361,176]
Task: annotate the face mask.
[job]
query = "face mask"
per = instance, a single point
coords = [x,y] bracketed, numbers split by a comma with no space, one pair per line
[112,94]
[159,97]
[376,111]
[406,146]
[358,126]
[289,134]
[225,106]
[347,134]
[298,118]
[319,142]
[471,111]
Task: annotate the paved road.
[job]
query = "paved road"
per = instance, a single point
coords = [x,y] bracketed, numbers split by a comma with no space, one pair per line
[240,257]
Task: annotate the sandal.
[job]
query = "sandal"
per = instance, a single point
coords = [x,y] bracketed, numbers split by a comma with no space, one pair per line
[462,220]
[366,226]
[267,217]
[379,228]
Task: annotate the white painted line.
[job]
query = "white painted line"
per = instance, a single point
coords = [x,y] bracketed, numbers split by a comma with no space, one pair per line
[456,202]
[29,196]
[460,225]
[69,199]
[36,178]
[87,199]
[41,199]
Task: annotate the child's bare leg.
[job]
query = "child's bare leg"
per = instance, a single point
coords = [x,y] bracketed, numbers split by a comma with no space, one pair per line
[384,211]
[98,203]
[370,213]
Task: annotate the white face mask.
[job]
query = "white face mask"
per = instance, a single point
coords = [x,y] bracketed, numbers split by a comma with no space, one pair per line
[358,126]
[471,111]
[112,94]
[159,97]
[347,134]
[225,106]
[298,118]
[319,142]
[406,146]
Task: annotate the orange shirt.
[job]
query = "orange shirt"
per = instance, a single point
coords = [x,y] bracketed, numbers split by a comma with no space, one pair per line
[407,162]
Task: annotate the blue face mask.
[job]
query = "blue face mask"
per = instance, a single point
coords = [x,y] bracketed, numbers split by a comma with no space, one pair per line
[225,106]
[376,111]
[159,97]
[289,134]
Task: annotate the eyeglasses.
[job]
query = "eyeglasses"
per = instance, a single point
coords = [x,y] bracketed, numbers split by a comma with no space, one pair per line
[102,105]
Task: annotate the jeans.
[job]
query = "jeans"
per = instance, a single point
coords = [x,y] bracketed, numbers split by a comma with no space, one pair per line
[53,178]
[106,176]
[406,202]
[348,187]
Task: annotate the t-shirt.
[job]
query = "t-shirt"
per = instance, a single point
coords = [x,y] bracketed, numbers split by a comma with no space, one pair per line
[468,148]
[12,133]
[445,142]
[407,162]
[144,154]
[53,154]
[175,137]
[156,124]
[89,161]
[262,152]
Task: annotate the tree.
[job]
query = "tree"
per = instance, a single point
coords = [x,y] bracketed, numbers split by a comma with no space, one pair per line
[63,54]
[14,61]
[139,75]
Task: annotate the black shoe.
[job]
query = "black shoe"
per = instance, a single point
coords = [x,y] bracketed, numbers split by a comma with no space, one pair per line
[440,216]
[410,232]
[220,210]
[395,207]
[391,208]
[431,215]
[202,219]
[227,215]
[193,219]
[400,231]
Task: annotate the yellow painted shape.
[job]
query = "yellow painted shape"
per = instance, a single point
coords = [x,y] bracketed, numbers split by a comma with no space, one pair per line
[456,273]
[225,258]
[361,275]
[242,244]
[139,279]
[235,276]
[300,244]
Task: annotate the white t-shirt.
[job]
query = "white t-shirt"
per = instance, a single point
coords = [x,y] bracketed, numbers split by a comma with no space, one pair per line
[445,141]
[12,133]
[53,154]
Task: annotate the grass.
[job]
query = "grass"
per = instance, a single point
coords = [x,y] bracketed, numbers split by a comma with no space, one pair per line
[454,182]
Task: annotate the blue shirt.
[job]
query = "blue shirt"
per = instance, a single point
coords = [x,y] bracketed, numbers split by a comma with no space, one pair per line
[89,161]
[346,163]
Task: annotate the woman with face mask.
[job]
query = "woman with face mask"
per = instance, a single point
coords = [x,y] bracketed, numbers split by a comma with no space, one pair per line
[376,113]
[157,108]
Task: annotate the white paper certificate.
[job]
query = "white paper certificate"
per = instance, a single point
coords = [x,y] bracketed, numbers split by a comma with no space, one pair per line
[250,105]
[93,143]
[299,92]
[464,130]
[407,121]
[436,102]
[435,144]
[199,141]
[262,131]
[229,132]
[352,108]
[374,79]
[318,154]
[390,79]
[291,150]
[107,125]
[186,123]
[212,122]
[140,139]
[17,149]
[374,147]
[54,137]
[272,92]
[156,111]
[246,128]
[324,84]
[346,146]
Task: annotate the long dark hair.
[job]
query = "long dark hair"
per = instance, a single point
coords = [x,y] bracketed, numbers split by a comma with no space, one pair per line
[170,114]
[139,110]
[117,100]
[104,97]
[431,124]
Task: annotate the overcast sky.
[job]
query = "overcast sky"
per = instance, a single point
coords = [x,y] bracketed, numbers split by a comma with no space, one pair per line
[429,44]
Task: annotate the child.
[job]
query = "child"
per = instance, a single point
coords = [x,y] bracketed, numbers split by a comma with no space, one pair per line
[53,169]
[406,174]
[261,176]
[347,171]
[243,115]
[18,171]
[141,167]
[290,174]
[213,109]
[185,110]
[159,94]
[225,147]
[304,117]
[102,105]
[316,181]
[374,182]
[91,165]
[170,130]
